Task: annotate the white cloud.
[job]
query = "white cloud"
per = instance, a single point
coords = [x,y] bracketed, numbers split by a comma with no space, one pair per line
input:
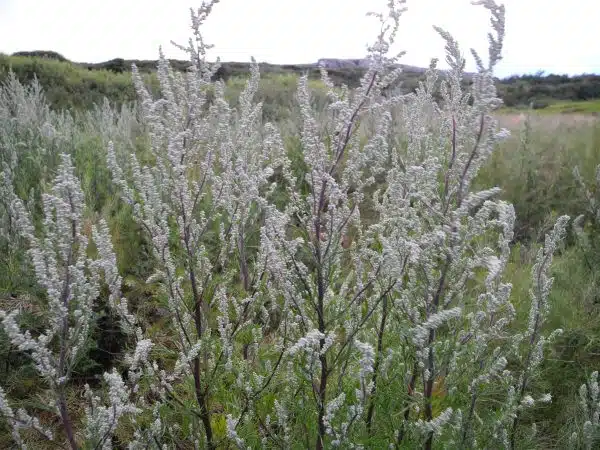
[541,34]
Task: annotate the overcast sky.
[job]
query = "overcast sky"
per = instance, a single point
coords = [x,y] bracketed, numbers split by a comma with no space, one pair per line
[548,35]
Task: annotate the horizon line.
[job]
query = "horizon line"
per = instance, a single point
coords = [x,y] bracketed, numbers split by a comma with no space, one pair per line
[314,64]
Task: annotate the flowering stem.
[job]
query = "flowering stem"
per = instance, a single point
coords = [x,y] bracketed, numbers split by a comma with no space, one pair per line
[201,394]
[532,341]
[410,390]
[470,160]
[66,419]
[62,402]
[322,357]
[203,403]
[322,397]
[467,426]
[371,410]
[430,358]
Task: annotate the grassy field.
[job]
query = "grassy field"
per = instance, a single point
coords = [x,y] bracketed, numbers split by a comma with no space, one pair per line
[585,107]
[590,106]
[534,169]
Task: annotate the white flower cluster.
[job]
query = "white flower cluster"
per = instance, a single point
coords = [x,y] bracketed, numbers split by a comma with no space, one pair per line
[589,401]
[103,420]
[19,420]
[71,282]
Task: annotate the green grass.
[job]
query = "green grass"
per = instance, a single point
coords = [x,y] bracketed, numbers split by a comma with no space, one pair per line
[588,106]
[67,86]
[560,107]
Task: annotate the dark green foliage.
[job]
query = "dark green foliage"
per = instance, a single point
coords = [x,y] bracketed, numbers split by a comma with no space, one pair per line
[525,89]
[42,54]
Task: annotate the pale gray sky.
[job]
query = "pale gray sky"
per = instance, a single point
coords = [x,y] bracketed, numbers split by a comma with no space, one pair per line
[549,35]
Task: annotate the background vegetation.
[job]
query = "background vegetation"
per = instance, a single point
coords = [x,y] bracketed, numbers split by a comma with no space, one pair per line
[68,84]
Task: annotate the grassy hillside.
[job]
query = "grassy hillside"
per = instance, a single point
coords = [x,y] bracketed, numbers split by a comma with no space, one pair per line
[81,85]
[68,85]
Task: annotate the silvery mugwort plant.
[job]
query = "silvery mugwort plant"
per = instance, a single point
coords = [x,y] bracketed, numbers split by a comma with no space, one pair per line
[200,204]
[361,304]
[71,281]
[589,402]
[519,397]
